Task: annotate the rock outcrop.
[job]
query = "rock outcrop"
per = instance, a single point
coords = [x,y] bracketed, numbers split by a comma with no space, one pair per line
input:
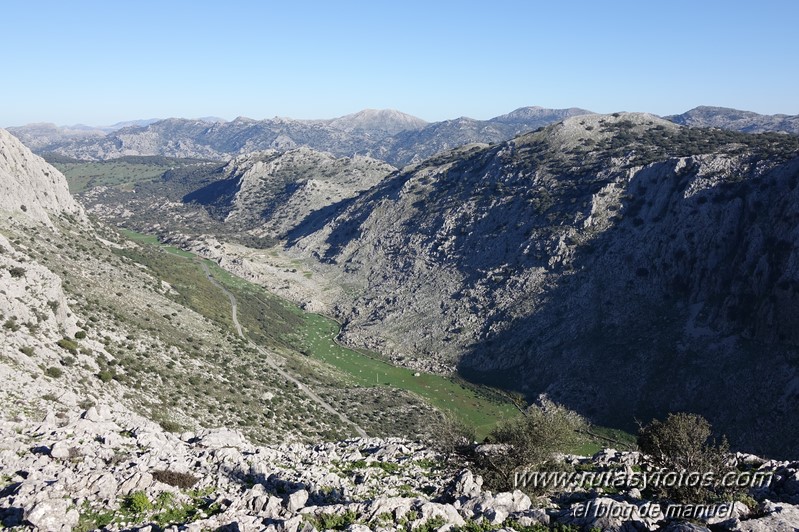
[29,186]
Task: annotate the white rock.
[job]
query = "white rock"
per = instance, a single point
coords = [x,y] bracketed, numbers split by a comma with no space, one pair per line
[296,501]
[53,515]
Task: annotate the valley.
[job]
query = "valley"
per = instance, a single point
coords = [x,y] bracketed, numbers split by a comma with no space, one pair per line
[550,251]
[169,317]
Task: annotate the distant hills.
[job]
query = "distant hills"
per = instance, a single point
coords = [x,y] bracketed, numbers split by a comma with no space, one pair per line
[388,135]
[735,120]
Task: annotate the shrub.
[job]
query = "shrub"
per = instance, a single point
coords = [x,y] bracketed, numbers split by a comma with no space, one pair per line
[453,439]
[80,335]
[69,345]
[16,271]
[527,442]
[54,372]
[170,426]
[137,503]
[683,443]
[329,521]
[173,478]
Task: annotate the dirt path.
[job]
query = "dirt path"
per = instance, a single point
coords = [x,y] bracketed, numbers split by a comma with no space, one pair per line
[268,357]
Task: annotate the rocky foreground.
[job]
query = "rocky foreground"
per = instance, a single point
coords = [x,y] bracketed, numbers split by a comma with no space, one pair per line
[107,468]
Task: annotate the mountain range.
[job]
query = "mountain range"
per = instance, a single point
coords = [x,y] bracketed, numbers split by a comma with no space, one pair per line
[583,261]
[387,135]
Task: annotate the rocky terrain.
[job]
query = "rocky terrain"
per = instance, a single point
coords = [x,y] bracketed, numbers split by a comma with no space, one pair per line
[386,135]
[255,198]
[108,468]
[621,265]
[733,119]
[273,192]
[587,261]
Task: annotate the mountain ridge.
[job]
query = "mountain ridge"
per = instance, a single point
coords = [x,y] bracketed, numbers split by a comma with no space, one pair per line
[383,134]
[737,120]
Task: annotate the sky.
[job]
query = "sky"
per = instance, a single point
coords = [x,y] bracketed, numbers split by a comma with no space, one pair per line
[102,62]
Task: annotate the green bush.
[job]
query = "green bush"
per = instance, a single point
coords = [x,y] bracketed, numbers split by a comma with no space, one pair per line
[54,372]
[684,443]
[80,335]
[327,521]
[528,442]
[69,345]
[137,503]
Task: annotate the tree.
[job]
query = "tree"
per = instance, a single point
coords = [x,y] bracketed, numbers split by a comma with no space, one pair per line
[528,442]
[684,444]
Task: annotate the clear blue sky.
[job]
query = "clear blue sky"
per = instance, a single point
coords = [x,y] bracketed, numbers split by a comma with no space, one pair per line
[99,62]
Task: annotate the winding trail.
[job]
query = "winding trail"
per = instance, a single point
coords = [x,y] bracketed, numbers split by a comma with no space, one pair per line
[268,357]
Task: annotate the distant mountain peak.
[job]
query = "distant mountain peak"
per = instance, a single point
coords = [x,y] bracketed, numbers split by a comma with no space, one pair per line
[386,121]
[541,113]
[736,120]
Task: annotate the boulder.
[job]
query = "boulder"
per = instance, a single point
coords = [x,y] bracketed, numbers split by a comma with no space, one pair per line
[218,439]
[779,518]
[296,501]
[431,510]
[466,485]
[61,450]
[53,515]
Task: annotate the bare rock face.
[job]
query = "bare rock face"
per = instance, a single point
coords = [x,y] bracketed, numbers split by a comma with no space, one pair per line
[31,187]
[276,191]
[31,293]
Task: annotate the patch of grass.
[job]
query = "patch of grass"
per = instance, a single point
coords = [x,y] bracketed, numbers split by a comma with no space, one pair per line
[92,519]
[123,172]
[466,403]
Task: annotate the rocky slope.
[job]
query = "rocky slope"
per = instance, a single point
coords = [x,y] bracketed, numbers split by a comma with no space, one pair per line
[620,264]
[253,199]
[272,192]
[733,119]
[108,468]
[89,315]
[387,135]
[29,186]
